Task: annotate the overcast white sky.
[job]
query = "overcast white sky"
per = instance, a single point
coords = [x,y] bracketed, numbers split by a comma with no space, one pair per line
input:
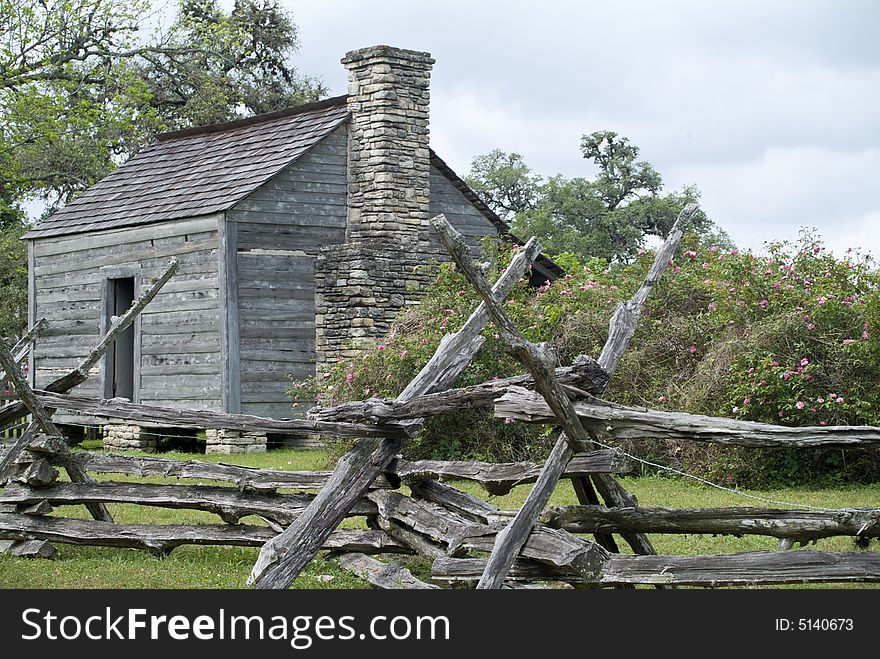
[771,108]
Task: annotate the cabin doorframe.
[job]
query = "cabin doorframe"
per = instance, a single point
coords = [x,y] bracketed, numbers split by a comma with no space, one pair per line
[120,367]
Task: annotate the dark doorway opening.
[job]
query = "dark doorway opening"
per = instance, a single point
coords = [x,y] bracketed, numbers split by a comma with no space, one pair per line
[120,356]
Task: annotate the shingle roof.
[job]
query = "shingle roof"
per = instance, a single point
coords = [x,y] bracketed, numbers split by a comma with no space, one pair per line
[197,171]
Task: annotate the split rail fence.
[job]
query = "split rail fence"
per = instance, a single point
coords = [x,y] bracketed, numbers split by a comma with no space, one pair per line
[292,515]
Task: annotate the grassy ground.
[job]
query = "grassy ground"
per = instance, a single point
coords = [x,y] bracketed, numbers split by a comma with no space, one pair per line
[228,567]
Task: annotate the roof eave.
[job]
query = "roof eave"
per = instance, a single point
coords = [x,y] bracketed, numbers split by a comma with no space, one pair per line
[543,266]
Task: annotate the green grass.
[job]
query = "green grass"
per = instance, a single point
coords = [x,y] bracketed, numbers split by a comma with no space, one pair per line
[228,567]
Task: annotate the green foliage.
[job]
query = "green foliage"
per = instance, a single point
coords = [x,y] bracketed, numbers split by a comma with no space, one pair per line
[504,182]
[610,216]
[84,84]
[784,338]
[13,282]
[217,66]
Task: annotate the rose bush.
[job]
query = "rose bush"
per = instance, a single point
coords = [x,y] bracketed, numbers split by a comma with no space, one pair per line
[783,337]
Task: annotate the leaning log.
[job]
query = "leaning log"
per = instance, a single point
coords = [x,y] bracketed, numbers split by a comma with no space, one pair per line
[584,374]
[499,478]
[246,478]
[226,502]
[42,417]
[162,538]
[629,423]
[388,576]
[540,361]
[279,563]
[570,554]
[798,525]
[28,548]
[284,557]
[120,408]
[23,346]
[745,569]
[466,505]
[429,519]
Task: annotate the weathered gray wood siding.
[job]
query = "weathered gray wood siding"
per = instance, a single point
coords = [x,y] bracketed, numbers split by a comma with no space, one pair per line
[280,230]
[177,337]
[461,213]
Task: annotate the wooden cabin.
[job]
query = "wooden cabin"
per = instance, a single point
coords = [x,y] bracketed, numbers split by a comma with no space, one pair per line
[249,208]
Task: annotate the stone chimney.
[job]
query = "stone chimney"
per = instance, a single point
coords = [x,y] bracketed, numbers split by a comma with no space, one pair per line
[388,157]
[361,285]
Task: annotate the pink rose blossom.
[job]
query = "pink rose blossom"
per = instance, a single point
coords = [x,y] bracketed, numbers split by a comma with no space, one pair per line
[799,404]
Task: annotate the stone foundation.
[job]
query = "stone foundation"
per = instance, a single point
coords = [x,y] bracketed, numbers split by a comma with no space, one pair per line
[359,291]
[228,442]
[125,437]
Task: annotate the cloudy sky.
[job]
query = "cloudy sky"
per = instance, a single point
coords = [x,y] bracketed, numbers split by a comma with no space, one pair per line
[771,108]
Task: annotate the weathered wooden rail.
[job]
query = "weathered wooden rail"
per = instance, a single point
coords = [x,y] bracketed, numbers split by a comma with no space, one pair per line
[291,515]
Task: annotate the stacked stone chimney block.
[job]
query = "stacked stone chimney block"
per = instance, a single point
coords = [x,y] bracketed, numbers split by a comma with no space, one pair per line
[362,285]
[388,157]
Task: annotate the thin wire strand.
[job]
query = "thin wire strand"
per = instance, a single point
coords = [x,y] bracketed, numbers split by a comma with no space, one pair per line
[710,483]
